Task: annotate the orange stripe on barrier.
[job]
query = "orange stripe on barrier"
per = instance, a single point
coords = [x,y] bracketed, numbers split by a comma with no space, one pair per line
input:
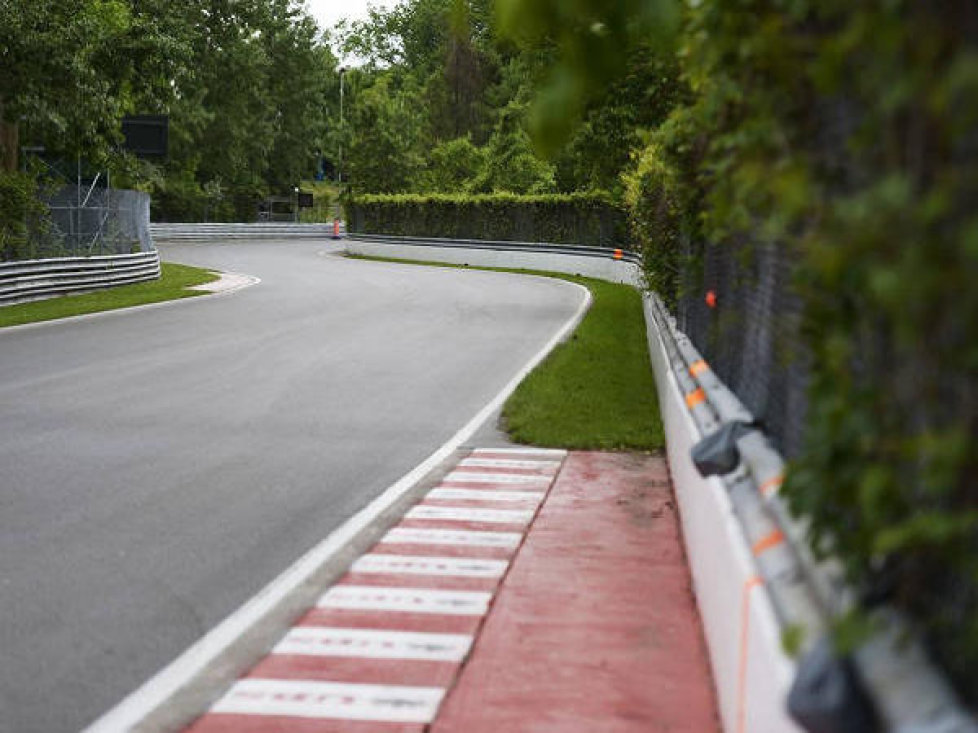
[698,367]
[771,486]
[618,254]
[695,397]
[764,544]
[750,584]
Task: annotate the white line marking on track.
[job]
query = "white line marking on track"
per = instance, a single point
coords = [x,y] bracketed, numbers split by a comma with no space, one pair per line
[498,478]
[506,463]
[502,516]
[414,600]
[345,701]
[522,451]
[332,642]
[453,537]
[179,673]
[484,495]
[443,566]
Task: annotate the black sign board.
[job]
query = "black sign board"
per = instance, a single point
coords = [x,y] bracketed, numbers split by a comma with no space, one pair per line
[305,200]
[147,136]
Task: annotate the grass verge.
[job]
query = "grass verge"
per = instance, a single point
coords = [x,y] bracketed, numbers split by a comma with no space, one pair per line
[172,285]
[595,391]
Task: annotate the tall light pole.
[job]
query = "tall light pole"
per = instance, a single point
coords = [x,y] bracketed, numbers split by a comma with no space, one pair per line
[339,167]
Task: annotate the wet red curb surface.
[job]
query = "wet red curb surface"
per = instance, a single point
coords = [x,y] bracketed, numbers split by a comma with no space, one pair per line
[528,591]
[594,627]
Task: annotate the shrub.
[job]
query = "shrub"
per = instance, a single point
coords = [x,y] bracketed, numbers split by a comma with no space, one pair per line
[586,219]
[23,216]
[844,136]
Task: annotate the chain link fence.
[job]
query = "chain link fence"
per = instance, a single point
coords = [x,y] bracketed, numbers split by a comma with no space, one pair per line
[88,220]
[737,305]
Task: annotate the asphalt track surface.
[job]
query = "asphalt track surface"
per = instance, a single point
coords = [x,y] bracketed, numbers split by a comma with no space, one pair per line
[159,467]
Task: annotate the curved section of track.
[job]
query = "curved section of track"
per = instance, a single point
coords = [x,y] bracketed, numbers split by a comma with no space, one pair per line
[160,467]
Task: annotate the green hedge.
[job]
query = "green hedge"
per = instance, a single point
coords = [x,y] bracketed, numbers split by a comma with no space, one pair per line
[587,218]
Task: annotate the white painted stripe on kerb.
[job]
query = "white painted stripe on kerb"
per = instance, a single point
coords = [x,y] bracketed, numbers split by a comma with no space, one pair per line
[484,495]
[335,700]
[452,537]
[498,478]
[443,566]
[557,452]
[318,641]
[506,463]
[414,600]
[452,514]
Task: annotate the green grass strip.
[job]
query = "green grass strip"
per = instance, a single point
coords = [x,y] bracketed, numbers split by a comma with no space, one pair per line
[596,390]
[172,285]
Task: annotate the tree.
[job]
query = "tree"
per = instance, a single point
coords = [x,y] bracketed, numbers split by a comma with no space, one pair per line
[386,154]
[58,81]
[511,164]
[301,72]
[454,166]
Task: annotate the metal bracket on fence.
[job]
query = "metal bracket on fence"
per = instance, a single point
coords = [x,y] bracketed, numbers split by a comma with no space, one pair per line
[717,453]
[826,695]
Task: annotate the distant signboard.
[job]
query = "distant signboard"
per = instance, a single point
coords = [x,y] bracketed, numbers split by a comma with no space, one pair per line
[305,200]
[146,136]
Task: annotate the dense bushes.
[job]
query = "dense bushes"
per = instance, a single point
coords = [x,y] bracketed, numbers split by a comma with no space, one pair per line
[845,136]
[181,198]
[587,219]
[22,217]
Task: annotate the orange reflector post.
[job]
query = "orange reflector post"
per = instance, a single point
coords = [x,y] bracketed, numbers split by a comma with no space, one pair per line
[618,254]
[698,367]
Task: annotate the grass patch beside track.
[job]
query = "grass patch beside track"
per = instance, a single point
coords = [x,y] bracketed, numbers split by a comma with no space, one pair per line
[595,391]
[172,285]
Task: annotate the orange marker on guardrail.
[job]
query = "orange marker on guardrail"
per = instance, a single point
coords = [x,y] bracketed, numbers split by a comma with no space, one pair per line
[771,486]
[695,397]
[336,228]
[773,539]
[618,254]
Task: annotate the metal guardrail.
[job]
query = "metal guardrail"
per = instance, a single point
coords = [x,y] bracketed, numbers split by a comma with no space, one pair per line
[504,246]
[262,230]
[37,279]
[907,692]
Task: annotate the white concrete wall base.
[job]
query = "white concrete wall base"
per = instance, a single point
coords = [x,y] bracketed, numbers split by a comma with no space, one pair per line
[597,267]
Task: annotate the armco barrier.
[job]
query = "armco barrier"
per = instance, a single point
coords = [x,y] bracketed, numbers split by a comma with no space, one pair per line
[262,230]
[38,279]
[614,265]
